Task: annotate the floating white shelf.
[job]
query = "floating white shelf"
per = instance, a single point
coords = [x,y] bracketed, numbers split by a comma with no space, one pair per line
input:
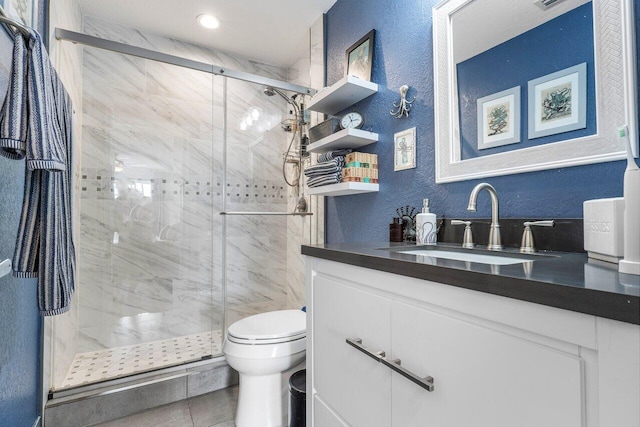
[345,138]
[343,189]
[342,94]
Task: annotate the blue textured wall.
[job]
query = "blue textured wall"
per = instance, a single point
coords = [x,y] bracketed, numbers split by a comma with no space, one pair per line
[403,52]
[19,318]
[533,54]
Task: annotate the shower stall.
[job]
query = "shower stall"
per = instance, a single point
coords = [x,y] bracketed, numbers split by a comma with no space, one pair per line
[185,220]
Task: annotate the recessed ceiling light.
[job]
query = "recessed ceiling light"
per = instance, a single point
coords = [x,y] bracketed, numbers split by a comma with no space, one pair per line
[208,21]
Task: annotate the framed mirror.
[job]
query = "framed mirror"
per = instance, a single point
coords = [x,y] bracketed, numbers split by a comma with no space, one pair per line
[482,45]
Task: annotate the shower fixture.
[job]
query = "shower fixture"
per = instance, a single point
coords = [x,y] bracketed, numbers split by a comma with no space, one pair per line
[302,205]
[295,125]
[270,91]
[288,125]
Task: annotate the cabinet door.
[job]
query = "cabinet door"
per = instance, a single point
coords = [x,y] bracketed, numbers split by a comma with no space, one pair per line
[355,386]
[323,417]
[482,377]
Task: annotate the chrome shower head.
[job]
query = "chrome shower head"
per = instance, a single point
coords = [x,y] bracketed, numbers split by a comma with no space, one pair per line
[270,91]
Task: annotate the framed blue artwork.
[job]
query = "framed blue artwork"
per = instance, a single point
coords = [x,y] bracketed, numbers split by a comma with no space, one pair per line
[499,119]
[558,102]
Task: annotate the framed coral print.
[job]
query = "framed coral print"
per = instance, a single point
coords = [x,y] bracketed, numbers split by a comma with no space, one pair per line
[499,119]
[558,102]
[404,150]
[360,57]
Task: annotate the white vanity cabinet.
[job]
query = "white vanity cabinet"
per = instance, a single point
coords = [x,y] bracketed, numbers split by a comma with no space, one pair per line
[354,385]
[495,361]
[482,376]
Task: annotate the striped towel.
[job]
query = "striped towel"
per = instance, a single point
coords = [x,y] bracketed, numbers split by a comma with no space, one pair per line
[326,168]
[45,247]
[329,155]
[13,115]
[319,181]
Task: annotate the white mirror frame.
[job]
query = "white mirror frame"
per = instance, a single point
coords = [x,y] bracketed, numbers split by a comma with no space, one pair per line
[616,92]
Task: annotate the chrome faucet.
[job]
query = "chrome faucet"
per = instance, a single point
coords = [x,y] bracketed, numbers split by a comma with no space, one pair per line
[495,242]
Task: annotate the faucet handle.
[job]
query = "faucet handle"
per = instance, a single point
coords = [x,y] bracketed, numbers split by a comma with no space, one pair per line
[545,223]
[467,241]
[527,245]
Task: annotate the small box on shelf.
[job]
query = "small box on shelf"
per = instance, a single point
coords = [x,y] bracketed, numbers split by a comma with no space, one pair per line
[324,129]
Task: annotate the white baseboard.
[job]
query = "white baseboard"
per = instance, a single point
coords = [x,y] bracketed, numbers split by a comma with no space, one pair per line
[37,422]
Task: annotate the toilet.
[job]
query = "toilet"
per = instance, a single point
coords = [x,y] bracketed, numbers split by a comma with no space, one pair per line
[263,349]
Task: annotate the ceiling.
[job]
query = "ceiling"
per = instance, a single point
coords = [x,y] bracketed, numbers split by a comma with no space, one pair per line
[268,31]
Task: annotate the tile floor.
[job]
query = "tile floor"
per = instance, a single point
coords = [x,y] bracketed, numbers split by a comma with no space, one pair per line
[95,366]
[215,409]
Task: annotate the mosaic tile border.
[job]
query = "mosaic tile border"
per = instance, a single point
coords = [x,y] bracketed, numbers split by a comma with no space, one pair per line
[100,185]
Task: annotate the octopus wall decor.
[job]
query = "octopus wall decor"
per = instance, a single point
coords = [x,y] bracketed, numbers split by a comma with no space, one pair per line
[404,106]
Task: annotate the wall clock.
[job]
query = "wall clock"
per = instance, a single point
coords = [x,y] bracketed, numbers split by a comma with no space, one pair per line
[352,120]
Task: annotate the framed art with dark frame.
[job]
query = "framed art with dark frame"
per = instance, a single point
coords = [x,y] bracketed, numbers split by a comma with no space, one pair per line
[360,57]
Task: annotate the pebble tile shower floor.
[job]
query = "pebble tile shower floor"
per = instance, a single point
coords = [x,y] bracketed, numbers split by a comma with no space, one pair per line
[95,366]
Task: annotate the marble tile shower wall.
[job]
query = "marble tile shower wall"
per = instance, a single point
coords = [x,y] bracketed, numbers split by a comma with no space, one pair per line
[152,187]
[307,70]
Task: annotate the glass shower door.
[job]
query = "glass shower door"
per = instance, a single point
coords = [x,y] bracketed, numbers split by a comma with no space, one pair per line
[149,243]
[255,244]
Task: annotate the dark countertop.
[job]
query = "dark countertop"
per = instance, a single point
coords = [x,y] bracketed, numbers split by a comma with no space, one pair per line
[564,280]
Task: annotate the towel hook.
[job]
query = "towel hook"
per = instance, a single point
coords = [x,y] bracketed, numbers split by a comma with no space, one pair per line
[5,267]
[404,106]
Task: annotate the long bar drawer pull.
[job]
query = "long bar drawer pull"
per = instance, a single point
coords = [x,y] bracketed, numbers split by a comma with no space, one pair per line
[395,364]
[426,383]
[357,343]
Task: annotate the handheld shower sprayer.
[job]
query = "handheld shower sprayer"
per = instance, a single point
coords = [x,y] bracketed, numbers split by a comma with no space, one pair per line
[297,126]
[270,91]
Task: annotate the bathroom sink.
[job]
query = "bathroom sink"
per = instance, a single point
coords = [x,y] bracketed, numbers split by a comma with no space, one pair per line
[482,258]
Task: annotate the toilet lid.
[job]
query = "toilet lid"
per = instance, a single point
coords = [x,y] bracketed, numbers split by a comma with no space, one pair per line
[274,326]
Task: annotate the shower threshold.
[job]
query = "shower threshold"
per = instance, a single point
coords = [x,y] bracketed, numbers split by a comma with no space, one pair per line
[118,362]
[95,403]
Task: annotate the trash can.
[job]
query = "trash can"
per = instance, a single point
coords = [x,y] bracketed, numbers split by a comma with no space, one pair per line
[298,398]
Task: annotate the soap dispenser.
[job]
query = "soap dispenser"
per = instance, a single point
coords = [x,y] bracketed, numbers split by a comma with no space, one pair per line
[426,232]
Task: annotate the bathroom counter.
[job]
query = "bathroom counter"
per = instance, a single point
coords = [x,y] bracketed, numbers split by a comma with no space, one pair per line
[569,281]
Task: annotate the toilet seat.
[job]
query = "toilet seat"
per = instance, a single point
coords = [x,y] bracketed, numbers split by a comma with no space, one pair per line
[269,328]
[246,341]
